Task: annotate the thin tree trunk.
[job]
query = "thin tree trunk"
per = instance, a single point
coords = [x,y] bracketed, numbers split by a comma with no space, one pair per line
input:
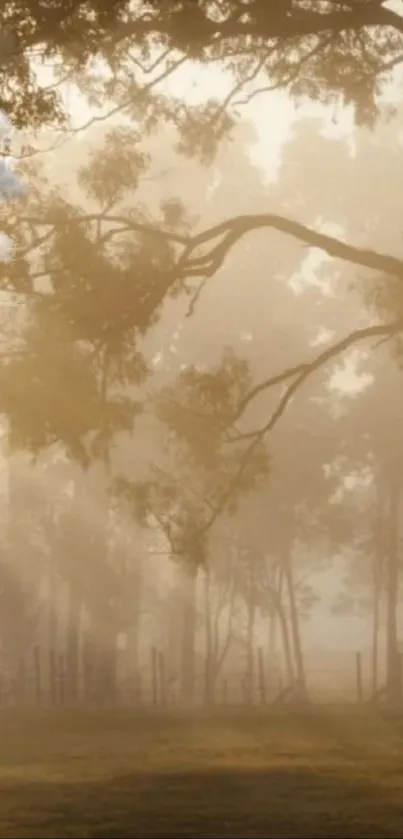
[273,627]
[294,623]
[134,640]
[103,617]
[52,641]
[188,632]
[375,631]
[134,630]
[393,674]
[209,663]
[286,643]
[250,640]
[378,556]
[275,593]
[72,658]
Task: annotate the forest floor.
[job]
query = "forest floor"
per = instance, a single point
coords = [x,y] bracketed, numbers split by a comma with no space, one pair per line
[323,772]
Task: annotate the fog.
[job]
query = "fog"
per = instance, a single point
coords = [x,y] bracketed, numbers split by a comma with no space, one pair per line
[201,450]
[286,304]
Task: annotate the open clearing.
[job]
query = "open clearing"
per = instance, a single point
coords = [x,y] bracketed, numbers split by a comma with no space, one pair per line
[323,772]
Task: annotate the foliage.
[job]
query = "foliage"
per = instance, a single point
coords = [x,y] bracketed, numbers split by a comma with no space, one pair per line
[328,51]
[89,294]
[188,495]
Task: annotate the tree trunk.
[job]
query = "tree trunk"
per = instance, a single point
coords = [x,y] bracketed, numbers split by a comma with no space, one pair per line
[53,629]
[294,623]
[273,628]
[393,674]
[134,629]
[104,623]
[375,630]
[278,617]
[72,658]
[286,645]
[209,664]
[250,640]
[277,601]
[377,568]
[188,590]
[134,636]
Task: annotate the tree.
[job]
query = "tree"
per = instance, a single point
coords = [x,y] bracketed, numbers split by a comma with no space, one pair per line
[296,47]
[369,425]
[86,307]
[183,492]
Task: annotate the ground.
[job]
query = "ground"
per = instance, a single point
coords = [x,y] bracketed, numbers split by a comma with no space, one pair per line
[105,774]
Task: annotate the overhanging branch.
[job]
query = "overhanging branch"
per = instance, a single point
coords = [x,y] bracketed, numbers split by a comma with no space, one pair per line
[296,377]
[297,374]
[231,231]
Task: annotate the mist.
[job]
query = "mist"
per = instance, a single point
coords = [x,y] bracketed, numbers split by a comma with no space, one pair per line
[201,622]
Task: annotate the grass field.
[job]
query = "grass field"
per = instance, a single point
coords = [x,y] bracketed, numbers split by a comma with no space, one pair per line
[108,774]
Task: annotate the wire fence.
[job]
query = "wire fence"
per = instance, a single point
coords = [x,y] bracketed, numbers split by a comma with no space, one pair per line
[45,679]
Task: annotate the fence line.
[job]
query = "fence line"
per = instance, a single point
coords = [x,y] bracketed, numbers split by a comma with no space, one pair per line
[46,681]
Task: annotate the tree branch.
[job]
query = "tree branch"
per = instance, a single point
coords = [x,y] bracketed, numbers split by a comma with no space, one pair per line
[300,373]
[231,231]
[308,367]
[300,23]
[126,221]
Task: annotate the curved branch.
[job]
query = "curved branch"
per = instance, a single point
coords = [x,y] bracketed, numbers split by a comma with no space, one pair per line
[300,374]
[231,231]
[306,368]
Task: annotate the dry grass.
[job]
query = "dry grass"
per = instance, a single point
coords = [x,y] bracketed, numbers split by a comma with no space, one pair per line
[109,774]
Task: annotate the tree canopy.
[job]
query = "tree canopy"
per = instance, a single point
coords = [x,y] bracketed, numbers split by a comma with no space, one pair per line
[328,50]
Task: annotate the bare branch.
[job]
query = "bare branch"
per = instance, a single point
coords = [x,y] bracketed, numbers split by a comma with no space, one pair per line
[231,231]
[387,331]
[300,374]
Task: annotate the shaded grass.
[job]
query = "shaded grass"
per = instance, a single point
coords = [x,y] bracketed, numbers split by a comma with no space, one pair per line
[113,773]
